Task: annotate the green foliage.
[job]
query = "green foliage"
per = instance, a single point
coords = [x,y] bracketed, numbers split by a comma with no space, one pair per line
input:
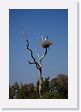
[24,92]
[11,92]
[60,85]
[49,95]
[45,85]
[57,88]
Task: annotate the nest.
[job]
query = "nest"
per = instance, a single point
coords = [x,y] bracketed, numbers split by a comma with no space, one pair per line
[46,44]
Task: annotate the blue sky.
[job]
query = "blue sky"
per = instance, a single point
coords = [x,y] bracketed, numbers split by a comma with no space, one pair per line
[48,22]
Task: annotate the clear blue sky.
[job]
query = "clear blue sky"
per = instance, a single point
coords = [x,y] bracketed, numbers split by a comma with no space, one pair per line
[50,22]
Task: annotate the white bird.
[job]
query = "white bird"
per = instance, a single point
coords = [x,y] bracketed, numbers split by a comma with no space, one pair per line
[46,38]
[42,38]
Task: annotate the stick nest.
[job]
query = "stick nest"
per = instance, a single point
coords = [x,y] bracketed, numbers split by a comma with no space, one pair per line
[46,44]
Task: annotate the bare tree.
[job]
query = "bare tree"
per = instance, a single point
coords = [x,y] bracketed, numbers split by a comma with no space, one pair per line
[45,44]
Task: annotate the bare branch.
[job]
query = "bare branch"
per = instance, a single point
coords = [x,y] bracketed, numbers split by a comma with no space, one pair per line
[31,52]
[42,57]
[37,66]
[37,53]
[30,62]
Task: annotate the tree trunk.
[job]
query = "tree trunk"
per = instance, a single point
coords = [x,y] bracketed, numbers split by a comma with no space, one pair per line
[38,65]
[40,81]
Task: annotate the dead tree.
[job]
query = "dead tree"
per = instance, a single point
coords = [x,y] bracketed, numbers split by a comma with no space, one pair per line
[45,44]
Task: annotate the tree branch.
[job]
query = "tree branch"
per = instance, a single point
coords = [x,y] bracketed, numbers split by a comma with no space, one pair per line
[30,62]
[31,52]
[37,53]
[43,56]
